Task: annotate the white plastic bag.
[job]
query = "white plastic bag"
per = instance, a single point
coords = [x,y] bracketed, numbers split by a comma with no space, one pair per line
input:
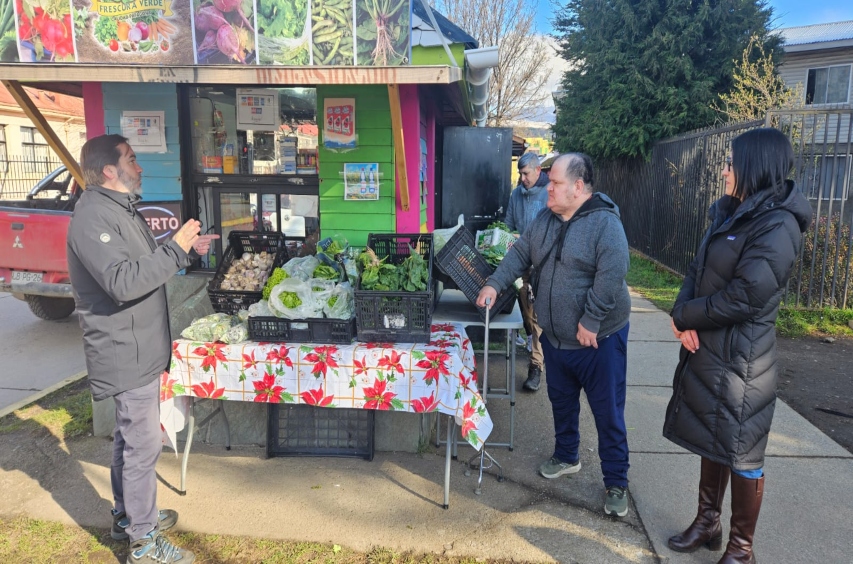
[261,309]
[321,291]
[301,267]
[302,290]
[344,302]
[440,237]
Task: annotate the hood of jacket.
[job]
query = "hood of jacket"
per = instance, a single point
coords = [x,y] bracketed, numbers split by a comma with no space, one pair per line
[791,199]
[541,184]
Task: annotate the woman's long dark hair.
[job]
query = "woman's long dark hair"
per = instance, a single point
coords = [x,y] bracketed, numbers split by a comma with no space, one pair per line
[761,160]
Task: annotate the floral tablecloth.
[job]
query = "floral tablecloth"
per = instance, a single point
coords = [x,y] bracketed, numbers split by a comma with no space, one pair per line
[417,378]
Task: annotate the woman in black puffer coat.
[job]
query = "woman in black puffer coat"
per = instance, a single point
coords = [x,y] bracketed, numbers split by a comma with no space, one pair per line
[724,390]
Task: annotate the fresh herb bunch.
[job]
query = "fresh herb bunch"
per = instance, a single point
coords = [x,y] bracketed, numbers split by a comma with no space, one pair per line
[325,272]
[498,225]
[411,275]
[332,301]
[290,300]
[414,272]
[275,278]
[334,249]
[106,30]
[494,254]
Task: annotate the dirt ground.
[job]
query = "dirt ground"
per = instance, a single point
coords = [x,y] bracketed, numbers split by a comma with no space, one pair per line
[816,380]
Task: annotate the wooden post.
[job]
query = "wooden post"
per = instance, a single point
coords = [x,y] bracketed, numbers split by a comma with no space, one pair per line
[23,99]
[399,147]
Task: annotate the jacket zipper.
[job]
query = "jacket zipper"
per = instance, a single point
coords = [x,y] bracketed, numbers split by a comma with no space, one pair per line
[727,344]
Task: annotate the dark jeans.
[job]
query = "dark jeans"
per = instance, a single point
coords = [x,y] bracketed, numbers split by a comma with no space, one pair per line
[601,374]
[136,448]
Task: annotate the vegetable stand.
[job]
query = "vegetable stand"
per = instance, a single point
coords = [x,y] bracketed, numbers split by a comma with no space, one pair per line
[423,378]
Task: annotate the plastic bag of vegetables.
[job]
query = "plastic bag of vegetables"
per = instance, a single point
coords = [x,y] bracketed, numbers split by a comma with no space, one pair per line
[207,328]
[334,245]
[292,299]
[236,334]
[301,267]
[261,309]
[341,304]
[321,291]
[329,269]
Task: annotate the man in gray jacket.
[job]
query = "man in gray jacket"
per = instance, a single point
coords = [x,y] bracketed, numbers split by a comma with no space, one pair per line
[528,199]
[580,256]
[118,273]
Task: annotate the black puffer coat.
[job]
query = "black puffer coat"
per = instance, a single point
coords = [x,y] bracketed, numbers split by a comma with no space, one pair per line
[724,394]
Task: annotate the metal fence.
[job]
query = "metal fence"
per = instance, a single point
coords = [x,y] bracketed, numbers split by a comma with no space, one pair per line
[18,175]
[664,201]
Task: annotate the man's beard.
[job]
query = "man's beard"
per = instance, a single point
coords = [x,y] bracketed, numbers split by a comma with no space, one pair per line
[135,187]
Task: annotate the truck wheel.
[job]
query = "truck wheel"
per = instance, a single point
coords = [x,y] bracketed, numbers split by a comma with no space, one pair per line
[50,309]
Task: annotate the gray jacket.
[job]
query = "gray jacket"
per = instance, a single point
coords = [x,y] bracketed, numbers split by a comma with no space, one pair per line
[118,273]
[525,204]
[583,280]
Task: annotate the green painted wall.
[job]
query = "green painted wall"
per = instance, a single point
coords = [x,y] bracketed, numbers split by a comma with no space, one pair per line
[437,56]
[355,220]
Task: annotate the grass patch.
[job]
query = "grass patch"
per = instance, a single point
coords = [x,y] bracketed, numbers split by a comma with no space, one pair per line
[65,413]
[661,287]
[24,540]
[653,282]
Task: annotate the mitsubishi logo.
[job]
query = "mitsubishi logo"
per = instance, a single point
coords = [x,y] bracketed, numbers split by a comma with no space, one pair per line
[17,244]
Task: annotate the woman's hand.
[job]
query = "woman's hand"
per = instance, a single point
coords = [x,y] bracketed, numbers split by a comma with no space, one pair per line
[689,338]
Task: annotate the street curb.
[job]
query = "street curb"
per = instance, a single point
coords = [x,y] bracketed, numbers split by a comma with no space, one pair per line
[38,395]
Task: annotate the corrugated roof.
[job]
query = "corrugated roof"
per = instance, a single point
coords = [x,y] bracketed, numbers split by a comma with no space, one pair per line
[424,35]
[819,33]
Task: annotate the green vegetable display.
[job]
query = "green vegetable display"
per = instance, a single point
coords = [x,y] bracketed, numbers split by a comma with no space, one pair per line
[275,278]
[332,301]
[106,30]
[414,272]
[411,275]
[499,225]
[495,254]
[290,300]
[334,249]
[383,32]
[332,32]
[325,272]
[278,22]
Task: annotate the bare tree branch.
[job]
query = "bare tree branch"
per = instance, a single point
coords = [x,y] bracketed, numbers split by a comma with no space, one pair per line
[517,89]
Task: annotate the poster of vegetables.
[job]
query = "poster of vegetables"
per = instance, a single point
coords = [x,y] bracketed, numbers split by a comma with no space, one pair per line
[224,32]
[45,29]
[331,32]
[284,32]
[133,31]
[383,31]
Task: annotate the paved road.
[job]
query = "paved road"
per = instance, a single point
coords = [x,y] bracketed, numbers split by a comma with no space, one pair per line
[35,354]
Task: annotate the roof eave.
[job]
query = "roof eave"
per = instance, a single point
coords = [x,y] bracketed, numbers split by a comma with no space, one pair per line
[818,46]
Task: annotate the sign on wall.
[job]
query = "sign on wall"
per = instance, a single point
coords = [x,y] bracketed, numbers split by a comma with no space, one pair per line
[163,218]
[145,131]
[361,181]
[257,109]
[339,123]
[209,32]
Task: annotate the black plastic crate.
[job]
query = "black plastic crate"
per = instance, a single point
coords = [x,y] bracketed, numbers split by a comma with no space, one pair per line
[460,260]
[277,330]
[232,301]
[305,430]
[397,317]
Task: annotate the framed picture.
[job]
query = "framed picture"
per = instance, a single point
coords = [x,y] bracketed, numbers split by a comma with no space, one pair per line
[361,181]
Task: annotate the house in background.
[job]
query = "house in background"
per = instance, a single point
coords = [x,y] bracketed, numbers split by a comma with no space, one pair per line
[25,157]
[819,63]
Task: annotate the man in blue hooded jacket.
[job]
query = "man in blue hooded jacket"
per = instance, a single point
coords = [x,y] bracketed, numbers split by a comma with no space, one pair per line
[528,199]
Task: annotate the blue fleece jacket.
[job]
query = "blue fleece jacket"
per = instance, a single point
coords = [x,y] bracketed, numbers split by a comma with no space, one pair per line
[525,204]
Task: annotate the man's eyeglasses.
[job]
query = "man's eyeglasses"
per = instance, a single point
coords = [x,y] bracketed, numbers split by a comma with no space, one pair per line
[728,162]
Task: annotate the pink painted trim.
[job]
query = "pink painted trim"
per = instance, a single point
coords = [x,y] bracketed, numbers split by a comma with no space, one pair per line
[410,221]
[430,139]
[93,109]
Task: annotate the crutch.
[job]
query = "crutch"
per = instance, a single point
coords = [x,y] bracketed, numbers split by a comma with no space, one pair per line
[483,454]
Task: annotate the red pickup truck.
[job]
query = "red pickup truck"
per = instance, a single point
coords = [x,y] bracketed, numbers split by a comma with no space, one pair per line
[33,266]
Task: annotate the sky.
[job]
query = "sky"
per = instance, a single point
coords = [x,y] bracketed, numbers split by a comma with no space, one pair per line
[788,13]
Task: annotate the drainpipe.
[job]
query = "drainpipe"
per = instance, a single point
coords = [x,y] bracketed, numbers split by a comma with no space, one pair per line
[478,70]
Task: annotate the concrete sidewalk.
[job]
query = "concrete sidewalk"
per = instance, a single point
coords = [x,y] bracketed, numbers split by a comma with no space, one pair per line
[395,500]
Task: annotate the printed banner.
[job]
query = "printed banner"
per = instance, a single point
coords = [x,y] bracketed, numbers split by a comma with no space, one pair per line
[207,32]
[361,181]
[339,123]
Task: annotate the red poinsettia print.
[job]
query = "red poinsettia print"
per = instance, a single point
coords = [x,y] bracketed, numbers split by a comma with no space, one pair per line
[323,359]
[316,397]
[442,327]
[441,343]
[175,354]
[435,363]
[249,361]
[377,397]
[207,390]
[167,387]
[380,345]
[212,352]
[266,390]
[425,404]
[360,366]
[392,362]
[468,424]
[280,356]
[466,379]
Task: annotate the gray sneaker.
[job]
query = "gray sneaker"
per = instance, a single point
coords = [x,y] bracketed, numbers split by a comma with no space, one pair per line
[154,548]
[616,502]
[554,468]
[167,517]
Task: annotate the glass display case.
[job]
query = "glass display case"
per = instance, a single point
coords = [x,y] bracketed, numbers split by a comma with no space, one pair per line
[251,159]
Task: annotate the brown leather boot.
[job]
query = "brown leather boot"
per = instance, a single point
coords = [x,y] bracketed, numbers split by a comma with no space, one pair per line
[705,529]
[746,504]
